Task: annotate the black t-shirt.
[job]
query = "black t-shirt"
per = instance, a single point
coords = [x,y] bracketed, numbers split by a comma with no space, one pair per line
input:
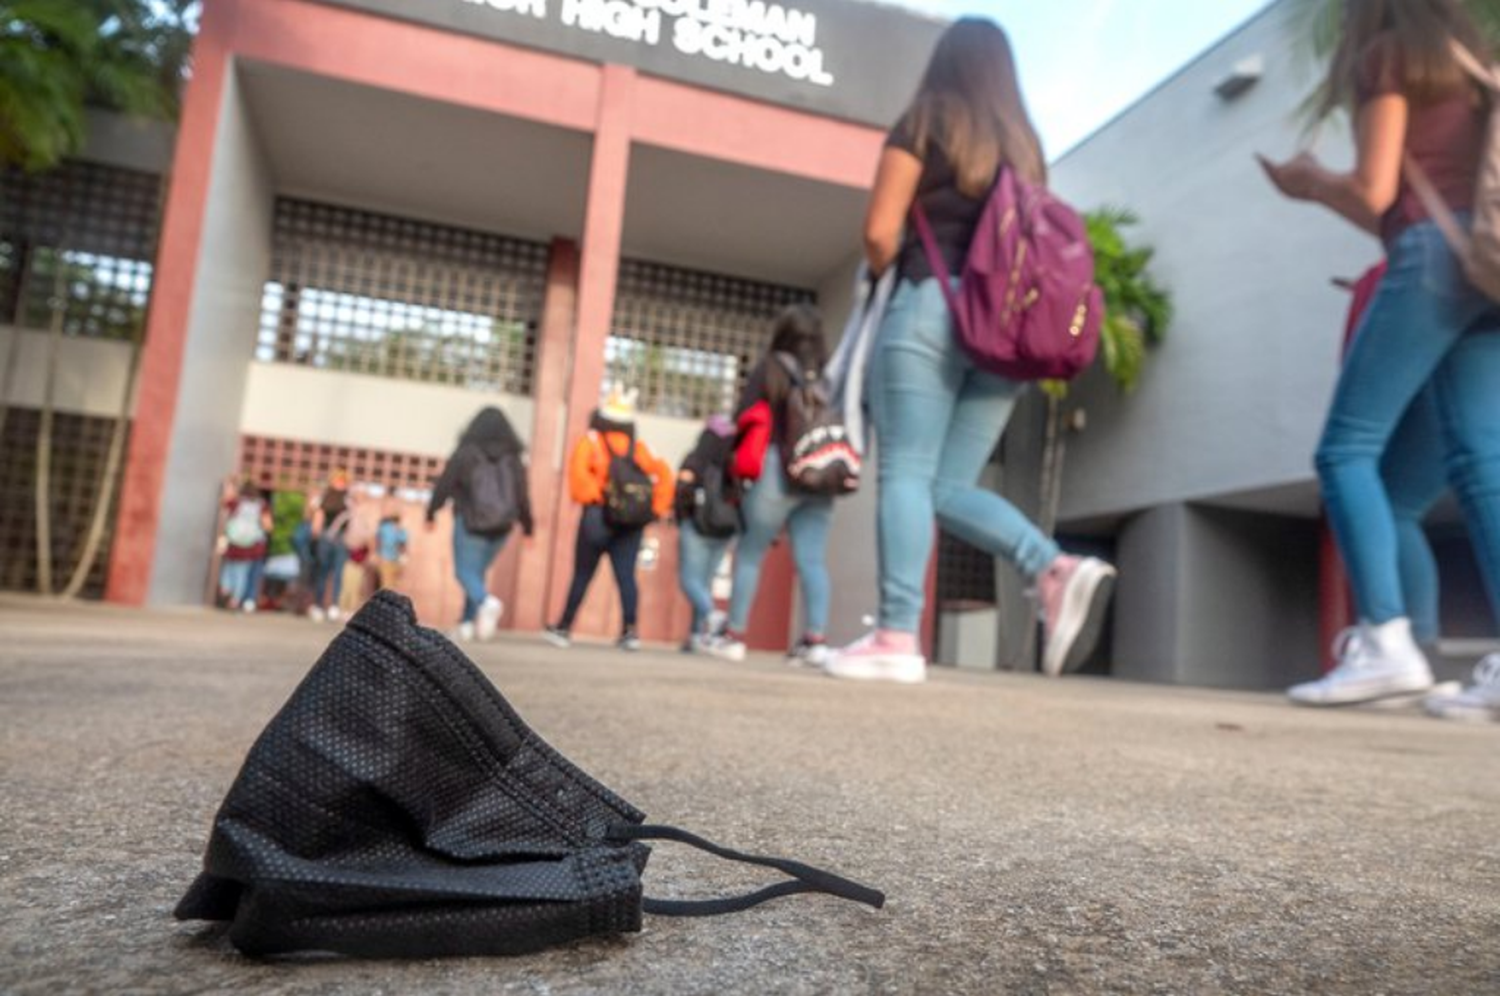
[952,215]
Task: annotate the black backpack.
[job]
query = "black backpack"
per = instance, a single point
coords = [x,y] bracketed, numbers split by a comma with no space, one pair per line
[398,807]
[716,503]
[628,492]
[493,507]
[818,453]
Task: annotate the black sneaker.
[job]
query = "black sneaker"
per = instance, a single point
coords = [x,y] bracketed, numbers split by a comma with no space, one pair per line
[557,636]
[628,641]
[808,653]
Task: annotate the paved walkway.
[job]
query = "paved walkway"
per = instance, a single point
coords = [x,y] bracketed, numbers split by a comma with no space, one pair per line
[1076,836]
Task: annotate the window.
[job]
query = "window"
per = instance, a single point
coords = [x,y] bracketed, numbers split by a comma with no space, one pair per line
[374,294]
[686,340]
[78,241]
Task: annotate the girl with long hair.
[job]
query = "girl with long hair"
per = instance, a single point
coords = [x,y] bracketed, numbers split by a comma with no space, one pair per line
[937,417]
[483,513]
[1399,71]
[772,502]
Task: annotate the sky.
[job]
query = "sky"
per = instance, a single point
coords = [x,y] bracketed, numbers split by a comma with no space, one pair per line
[1084,61]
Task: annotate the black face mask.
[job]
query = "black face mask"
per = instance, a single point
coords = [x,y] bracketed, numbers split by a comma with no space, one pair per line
[397,806]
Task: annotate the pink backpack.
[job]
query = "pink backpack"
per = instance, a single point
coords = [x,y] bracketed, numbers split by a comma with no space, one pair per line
[1026,307]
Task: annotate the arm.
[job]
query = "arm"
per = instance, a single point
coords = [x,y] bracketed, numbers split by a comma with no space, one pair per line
[754,436]
[442,490]
[527,524]
[585,482]
[663,483]
[1366,193]
[895,188]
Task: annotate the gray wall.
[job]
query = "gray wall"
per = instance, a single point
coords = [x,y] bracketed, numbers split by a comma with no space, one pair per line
[1233,401]
[233,260]
[116,140]
[874,53]
[1217,598]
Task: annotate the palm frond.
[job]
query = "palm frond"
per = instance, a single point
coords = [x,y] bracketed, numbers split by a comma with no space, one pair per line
[1137,311]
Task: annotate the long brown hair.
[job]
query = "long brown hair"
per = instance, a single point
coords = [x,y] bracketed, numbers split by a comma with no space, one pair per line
[970,103]
[1421,35]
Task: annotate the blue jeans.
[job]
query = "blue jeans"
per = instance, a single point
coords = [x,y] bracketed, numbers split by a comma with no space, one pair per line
[238,579]
[938,419]
[472,557]
[596,540]
[328,556]
[769,505]
[698,559]
[1414,477]
[1426,331]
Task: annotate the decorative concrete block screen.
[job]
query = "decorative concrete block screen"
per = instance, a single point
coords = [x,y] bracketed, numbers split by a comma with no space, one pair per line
[290,463]
[79,445]
[77,242]
[686,340]
[965,574]
[369,293]
[80,237]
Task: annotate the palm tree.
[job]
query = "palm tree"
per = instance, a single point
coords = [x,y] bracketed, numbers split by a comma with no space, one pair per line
[58,57]
[1137,313]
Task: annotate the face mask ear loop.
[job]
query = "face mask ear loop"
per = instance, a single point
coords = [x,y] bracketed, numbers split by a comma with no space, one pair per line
[805,878]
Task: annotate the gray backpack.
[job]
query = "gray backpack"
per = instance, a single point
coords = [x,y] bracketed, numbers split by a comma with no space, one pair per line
[1479,248]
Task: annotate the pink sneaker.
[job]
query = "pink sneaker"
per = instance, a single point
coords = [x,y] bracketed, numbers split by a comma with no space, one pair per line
[1074,593]
[882,655]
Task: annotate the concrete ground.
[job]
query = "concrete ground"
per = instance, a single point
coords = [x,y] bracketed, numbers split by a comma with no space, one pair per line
[1034,836]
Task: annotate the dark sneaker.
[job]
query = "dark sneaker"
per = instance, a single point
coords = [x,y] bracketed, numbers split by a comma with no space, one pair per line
[811,653]
[557,636]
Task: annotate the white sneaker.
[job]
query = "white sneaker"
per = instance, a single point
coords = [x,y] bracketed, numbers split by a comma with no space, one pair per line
[488,620]
[315,613]
[248,606]
[726,647]
[862,660]
[334,613]
[1480,702]
[1375,662]
[464,633]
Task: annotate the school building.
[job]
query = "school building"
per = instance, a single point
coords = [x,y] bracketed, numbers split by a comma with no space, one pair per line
[377,216]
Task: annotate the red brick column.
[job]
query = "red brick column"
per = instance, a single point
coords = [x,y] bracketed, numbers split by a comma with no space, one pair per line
[160,377]
[604,224]
[537,563]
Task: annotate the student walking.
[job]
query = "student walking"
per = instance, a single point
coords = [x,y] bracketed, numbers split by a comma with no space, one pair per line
[1399,69]
[1414,477]
[772,502]
[390,546]
[486,481]
[328,518]
[623,487]
[708,518]
[937,417]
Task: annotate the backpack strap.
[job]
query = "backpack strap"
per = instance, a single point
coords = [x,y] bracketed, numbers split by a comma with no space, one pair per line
[804,878]
[789,364]
[935,258]
[1441,214]
[1483,75]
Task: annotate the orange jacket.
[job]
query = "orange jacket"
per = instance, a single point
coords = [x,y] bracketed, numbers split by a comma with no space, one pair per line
[588,470]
